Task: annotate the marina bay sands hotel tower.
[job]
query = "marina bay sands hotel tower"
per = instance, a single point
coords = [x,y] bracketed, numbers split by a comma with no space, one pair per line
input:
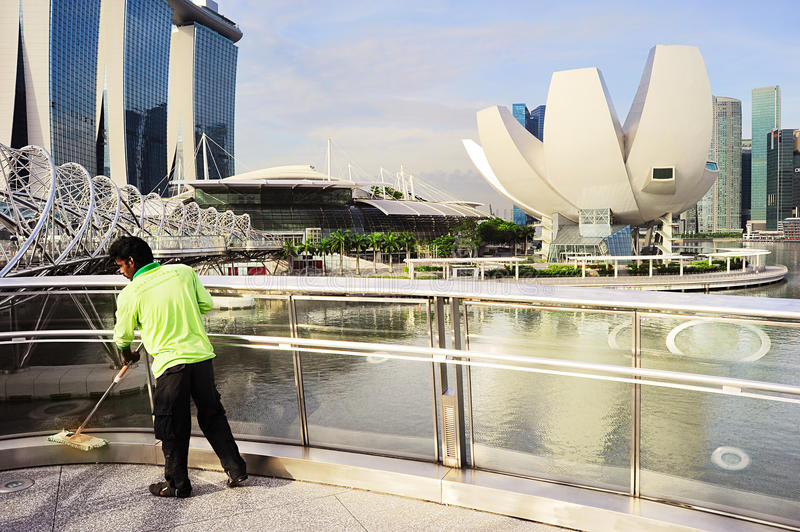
[126,88]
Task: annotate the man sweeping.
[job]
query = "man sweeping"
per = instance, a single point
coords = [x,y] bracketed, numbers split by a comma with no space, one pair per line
[165,303]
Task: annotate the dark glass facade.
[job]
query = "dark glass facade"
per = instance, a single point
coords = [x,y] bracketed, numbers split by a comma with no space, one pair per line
[74,30]
[747,157]
[214,97]
[148,26]
[620,242]
[521,113]
[766,117]
[537,122]
[294,209]
[780,176]
[522,218]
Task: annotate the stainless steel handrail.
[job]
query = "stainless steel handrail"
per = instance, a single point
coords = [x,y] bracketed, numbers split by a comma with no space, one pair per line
[630,300]
[634,375]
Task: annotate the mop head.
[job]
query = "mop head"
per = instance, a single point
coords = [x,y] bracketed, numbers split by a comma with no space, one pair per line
[84,442]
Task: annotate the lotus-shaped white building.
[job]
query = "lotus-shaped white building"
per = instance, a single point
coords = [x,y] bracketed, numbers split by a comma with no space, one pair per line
[654,164]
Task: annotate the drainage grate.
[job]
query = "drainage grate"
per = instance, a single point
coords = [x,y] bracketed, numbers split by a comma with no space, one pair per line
[18,484]
[449,431]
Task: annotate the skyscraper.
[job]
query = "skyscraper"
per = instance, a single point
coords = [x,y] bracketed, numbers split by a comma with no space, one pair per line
[537,122]
[48,70]
[796,172]
[521,113]
[727,152]
[780,176]
[747,158]
[132,84]
[202,92]
[766,117]
[88,80]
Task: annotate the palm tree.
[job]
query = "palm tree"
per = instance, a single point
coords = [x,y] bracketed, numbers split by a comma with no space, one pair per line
[358,243]
[527,232]
[308,248]
[409,242]
[375,240]
[390,245]
[288,252]
[324,247]
[341,240]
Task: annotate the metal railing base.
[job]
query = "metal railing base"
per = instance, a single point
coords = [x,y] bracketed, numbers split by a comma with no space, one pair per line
[544,502]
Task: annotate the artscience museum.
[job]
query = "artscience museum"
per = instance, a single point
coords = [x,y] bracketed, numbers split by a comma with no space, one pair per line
[594,179]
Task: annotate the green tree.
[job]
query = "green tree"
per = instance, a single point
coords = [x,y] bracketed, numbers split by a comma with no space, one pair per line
[359,243]
[341,242]
[409,242]
[443,245]
[307,248]
[527,231]
[375,242]
[288,252]
[390,244]
[324,247]
[467,236]
[385,192]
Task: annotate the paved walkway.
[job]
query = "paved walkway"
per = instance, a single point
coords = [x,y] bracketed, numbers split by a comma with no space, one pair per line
[115,497]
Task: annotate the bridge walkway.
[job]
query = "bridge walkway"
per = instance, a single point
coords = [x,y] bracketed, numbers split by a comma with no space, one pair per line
[115,497]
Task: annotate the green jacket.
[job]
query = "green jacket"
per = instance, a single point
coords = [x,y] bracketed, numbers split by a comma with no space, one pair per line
[165,303]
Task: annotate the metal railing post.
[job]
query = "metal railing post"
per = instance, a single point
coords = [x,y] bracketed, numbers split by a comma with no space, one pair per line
[150,385]
[450,399]
[298,376]
[636,406]
[468,375]
[434,376]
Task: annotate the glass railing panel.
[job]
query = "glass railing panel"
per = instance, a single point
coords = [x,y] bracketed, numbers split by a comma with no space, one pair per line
[251,315]
[728,453]
[257,390]
[256,385]
[720,451]
[50,386]
[368,404]
[548,426]
[57,310]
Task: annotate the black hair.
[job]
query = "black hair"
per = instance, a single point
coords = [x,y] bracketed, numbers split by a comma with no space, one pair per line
[131,247]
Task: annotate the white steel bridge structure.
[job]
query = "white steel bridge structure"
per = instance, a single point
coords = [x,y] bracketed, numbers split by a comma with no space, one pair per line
[59,220]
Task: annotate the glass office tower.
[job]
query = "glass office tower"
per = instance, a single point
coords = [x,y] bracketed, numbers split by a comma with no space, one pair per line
[780,176]
[48,77]
[727,152]
[148,25]
[766,117]
[214,97]
[73,66]
[537,122]
[521,113]
[747,159]
[203,57]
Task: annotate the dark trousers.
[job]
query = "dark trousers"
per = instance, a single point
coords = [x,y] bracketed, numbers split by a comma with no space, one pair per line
[173,422]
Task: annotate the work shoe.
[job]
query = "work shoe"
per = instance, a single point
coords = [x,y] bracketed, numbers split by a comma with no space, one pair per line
[235,481]
[163,489]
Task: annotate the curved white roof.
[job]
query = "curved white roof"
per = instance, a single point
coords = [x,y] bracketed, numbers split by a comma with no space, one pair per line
[293,171]
[422,208]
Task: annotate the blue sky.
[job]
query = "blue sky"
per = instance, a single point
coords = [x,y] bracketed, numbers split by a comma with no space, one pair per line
[396,83]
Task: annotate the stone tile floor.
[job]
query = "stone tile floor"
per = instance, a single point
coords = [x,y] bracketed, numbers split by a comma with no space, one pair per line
[115,497]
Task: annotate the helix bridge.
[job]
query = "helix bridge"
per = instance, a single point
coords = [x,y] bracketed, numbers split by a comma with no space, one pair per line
[59,220]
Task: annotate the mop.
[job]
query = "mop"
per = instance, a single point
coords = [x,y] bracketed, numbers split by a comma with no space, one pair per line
[84,442]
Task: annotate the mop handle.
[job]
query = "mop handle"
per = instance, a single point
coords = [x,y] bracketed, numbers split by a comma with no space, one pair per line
[117,378]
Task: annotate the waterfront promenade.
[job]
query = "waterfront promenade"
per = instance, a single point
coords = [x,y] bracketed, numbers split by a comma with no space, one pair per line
[697,281]
[115,497]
